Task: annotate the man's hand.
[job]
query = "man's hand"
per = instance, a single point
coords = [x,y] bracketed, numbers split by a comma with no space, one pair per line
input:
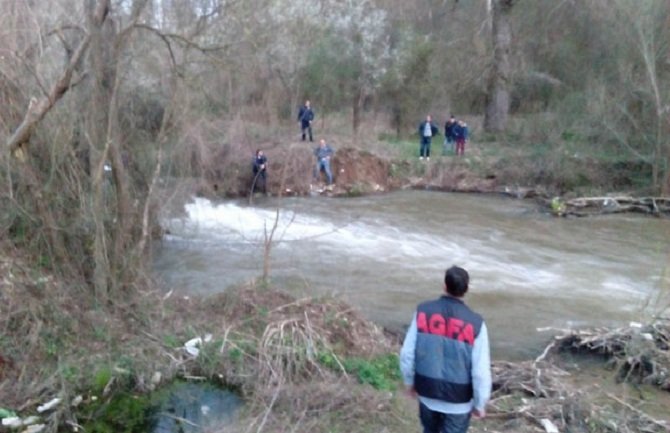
[410,391]
[478,413]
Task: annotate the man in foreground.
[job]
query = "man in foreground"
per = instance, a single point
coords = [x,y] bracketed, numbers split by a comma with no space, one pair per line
[445,359]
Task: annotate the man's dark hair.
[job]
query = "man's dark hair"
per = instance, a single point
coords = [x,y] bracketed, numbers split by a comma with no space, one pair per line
[457,281]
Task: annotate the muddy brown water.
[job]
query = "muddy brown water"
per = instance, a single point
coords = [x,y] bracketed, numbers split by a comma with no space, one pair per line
[386,253]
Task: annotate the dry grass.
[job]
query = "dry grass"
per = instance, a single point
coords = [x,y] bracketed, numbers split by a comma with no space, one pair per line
[269,346]
[55,342]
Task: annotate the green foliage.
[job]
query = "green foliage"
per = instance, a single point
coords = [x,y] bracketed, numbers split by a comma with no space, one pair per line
[356,190]
[101,333]
[171,341]
[329,74]
[70,373]
[407,88]
[557,206]
[124,413]
[380,372]
[209,360]
[235,355]
[101,378]
[52,342]
[6,413]
[44,261]
[404,148]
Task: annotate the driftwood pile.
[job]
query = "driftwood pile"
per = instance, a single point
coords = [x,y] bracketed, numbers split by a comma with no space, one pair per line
[638,353]
[540,396]
[589,206]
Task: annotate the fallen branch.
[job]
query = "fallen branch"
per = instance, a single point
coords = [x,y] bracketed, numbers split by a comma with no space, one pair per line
[639,412]
[588,206]
[38,108]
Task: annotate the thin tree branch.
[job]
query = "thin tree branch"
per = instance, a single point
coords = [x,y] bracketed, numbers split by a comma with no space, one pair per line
[184,40]
[38,108]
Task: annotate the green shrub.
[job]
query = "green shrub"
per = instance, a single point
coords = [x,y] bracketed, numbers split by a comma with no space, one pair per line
[124,413]
[101,378]
[381,372]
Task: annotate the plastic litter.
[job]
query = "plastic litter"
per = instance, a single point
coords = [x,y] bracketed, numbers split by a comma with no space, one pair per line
[34,428]
[49,405]
[12,421]
[192,346]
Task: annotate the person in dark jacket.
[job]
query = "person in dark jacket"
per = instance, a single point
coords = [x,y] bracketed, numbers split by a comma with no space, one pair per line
[461,133]
[427,130]
[260,171]
[449,136]
[305,117]
[445,359]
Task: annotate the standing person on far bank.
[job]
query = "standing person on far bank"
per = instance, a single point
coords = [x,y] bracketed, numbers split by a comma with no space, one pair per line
[305,117]
[323,153]
[461,135]
[427,130]
[445,359]
[449,135]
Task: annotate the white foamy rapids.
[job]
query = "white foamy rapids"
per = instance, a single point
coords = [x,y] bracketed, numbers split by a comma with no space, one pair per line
[494,260]
[230,222]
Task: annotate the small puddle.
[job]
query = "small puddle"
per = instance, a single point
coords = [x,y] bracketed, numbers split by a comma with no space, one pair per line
[195,407]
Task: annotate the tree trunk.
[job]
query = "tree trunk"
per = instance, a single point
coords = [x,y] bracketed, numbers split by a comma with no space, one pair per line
[106,51]
[356,112]
[99,149]
[497,110]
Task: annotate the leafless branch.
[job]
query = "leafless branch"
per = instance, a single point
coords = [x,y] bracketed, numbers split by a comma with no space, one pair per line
[38,108]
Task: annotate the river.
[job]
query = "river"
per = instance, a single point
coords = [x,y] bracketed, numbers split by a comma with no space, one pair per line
[386,253]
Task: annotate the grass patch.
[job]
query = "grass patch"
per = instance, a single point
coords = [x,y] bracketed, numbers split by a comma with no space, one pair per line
[123,413]
[402,148]
[380,372]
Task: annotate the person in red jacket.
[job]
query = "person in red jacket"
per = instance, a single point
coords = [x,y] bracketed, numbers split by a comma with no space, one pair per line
[461,135]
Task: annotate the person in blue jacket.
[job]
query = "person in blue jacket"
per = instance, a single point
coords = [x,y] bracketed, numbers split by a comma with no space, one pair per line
[427,130]
[445,359]
[305,118]
[449,135]
[260,171]
[323,154]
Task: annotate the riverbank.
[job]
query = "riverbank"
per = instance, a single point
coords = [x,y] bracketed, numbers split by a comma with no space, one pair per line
[303,364]
[564,179]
